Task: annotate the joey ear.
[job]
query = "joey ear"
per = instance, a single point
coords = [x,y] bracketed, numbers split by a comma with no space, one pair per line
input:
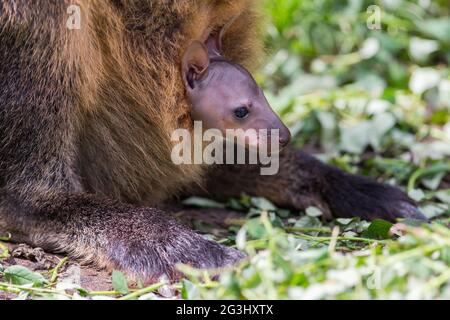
[215,38]
[195,63]
[214,43]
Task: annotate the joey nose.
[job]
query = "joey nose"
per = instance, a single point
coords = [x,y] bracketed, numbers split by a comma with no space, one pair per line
[284,141]
[285,137]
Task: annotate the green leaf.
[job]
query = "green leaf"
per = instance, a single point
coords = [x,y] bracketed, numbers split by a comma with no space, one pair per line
[444,195]
[438,28]
[255,228]
[433,182]
[308,222]
[378,229]
[275,220]
[355,138]
[416,194]
[420,49]
[344,221]
[203,203]
[21,275]
[119,282]
[313,212]
[434,210]
[283,213]
[381,124]
[234,204]
[263,204]
[189,290]
[82,292]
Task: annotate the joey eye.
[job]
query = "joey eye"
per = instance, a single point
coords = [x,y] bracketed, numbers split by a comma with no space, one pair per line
[241,112]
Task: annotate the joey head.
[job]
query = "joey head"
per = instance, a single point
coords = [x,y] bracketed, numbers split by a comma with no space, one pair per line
[223,95]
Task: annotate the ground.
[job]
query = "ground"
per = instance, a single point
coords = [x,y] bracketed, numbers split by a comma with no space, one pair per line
[291,256]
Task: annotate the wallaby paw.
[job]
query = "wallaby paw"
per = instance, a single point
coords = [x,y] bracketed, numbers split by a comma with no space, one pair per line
[350,195]
[411,211]
[151,259]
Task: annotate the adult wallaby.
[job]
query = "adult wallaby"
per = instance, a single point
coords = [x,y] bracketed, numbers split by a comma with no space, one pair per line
[86,116]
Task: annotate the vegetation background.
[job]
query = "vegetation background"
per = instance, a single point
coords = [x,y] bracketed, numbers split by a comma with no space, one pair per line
[371,101]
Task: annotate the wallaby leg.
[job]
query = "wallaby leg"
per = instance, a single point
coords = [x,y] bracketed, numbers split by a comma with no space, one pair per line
[304,181]
[143,242]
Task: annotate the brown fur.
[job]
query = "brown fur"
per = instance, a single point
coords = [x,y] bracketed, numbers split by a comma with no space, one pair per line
[127,93]
[141,99]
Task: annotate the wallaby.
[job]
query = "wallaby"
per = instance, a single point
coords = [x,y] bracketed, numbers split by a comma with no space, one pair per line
[85,122]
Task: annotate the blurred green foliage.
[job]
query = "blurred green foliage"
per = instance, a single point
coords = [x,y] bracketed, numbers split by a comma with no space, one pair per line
[366,86]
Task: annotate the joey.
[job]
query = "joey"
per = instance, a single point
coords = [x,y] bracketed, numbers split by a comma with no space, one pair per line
[224,95]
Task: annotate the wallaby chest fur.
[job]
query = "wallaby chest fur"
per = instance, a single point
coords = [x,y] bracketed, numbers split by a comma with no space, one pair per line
[117,80]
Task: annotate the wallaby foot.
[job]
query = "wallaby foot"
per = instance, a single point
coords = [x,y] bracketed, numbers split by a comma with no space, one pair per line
[144,243]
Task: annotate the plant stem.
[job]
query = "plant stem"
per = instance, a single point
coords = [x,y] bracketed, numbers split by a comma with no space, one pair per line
[419,251]
[17,289]
[4,252]
[103,293]
[340,238]
[321,230]
[439,280]
[143,291]
[56,270]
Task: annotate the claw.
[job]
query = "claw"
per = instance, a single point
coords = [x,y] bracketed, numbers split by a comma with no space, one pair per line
[410,211]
